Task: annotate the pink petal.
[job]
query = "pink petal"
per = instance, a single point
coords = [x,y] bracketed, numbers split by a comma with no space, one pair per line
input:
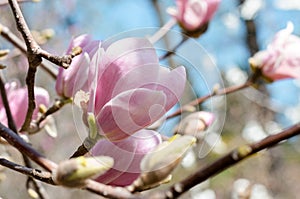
[18,101]
[75,78]
[172,83]
[154,77]
[127,155]
[192,14]
[121,57]
[211,9]
[81,41]
[41,98]
[130,111]
[281,59]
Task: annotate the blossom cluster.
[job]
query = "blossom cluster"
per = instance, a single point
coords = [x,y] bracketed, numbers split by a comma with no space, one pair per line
[125,89]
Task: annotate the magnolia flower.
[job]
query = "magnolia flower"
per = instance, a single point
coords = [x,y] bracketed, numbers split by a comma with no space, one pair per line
[193,15]
[127,155]
[281,59]
[132,90]
[18,101]
[78,75]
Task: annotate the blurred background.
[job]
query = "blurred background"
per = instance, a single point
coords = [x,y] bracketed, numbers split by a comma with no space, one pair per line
[219,57]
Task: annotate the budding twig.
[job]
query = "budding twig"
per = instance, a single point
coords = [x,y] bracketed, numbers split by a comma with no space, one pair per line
[200,100]
[25,148]
[232,158]
[22,146]
[58,104]
[171,52]
[35,54]
[18,43]
[43,176]
[11,125]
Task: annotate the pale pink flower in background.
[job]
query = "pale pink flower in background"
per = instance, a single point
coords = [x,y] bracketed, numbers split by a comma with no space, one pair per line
[192,15]
[127,155]
[79,73]
[281,59]
[132,90]
[18,101]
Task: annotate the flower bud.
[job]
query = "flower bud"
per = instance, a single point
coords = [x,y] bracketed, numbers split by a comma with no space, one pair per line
[195,123]
[3,53]
[75,172]
[193,15]
[281,59]
[157,166]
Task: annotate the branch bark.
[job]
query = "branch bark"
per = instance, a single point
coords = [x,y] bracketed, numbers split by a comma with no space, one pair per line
[6,33]
[232,158]
[35,55]
[200,100]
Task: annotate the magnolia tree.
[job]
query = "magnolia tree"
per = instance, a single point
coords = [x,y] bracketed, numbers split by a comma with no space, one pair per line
[134,105]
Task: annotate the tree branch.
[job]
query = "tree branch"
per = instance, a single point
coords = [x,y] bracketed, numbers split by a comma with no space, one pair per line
[25,148]
[171,52]
[232,158]
[58,104]
[11,125]
[200,100]
[6,33]
[35,55]
[43,176]
[4,2]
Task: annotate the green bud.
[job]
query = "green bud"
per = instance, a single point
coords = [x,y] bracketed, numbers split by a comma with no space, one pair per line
[74,172]
[157,166]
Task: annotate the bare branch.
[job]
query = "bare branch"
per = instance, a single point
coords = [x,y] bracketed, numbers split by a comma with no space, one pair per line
[232,158]
[43,176]
[25,148]
[18,43]
[200,100]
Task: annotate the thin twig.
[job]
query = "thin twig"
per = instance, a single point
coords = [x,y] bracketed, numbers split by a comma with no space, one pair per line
[4,2]
[11,125]
[37,186]
[110,191]
[92,186]
[25,148]
[200,100]
[173,51]
[232,158]
[10,119]
[43,176]
[30,81]
[81,150]
[58,104]
[162,31]
[6,33]
[35,54]
[251,34]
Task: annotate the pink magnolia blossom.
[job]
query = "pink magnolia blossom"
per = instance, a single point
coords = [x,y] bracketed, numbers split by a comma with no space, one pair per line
[18,101]
[132,90]
[127,155]
[192,15]
[281,59]
[77,76]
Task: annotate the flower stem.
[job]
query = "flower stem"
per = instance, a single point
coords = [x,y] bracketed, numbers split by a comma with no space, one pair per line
[173,51]
[162,31]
